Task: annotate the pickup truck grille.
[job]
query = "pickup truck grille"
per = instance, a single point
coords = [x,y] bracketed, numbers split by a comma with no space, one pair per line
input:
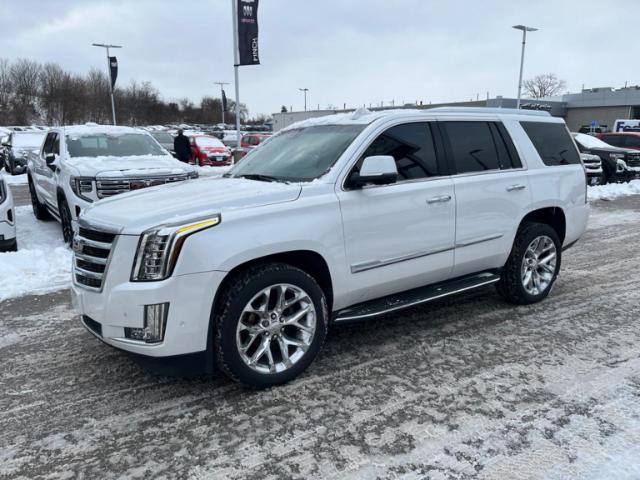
[108,188]
[633,159]
[91,253]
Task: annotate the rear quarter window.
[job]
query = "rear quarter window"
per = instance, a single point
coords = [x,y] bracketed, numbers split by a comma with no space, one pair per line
[552,142]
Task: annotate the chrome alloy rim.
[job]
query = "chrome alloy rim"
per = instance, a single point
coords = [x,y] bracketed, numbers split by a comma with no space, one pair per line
[539,265]
[276,328]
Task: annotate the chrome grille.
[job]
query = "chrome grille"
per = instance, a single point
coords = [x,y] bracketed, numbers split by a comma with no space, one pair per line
[91,252]
[110,187]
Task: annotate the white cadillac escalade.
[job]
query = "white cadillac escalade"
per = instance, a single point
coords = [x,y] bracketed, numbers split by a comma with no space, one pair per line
[335,219]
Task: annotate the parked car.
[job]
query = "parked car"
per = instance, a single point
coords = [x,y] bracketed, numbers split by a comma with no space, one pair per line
[209,151]
[250,141]
[333,220]
[165,140]
[630,140]
[79,165]
[230,138]
[593,168]
[18,148]
[618,164]
[8,241]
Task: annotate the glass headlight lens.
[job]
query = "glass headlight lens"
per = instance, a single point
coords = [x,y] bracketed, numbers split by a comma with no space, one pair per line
[3,193]
[160,247]
[82,185]
[193,175]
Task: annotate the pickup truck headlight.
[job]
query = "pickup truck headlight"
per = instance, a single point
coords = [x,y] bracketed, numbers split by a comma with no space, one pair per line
[193,175]
[3,193]
[82,185]
[159,248]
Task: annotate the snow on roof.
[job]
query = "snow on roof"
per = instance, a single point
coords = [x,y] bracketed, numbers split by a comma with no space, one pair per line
[94,128]
[363,116]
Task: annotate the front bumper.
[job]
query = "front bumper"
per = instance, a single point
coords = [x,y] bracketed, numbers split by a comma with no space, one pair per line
[190,299]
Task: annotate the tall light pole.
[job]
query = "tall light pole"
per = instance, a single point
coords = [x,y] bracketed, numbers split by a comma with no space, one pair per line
[524,42]
[107,47]
[305,90]
[222,84]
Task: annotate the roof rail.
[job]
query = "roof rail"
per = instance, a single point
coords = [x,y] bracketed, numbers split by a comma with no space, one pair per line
[498,111]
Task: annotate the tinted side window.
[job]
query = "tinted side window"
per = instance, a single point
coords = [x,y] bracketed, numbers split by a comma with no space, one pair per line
[411,145]
[632,141]
[48,143]
[473,146]
[615,140]
[553,143]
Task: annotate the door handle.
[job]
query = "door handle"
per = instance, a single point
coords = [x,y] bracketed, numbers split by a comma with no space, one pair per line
[439,199]
[513,188]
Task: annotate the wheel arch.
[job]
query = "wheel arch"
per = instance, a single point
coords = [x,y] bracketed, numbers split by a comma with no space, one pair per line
[552,216]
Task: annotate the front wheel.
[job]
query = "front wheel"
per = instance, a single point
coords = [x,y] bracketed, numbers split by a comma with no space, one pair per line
[270,325]
[532,266]
[65,221]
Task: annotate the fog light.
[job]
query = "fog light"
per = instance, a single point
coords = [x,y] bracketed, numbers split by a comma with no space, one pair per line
[155,322]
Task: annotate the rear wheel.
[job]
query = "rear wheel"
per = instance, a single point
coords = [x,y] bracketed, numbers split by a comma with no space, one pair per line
[270,325]
[39,210]
[65,221]
[533,265]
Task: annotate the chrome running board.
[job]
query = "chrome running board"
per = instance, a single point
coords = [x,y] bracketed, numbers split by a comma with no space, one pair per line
[410,298]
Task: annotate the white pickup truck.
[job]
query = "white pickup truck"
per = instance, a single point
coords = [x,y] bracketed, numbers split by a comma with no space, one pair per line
[335,219]
[79,165]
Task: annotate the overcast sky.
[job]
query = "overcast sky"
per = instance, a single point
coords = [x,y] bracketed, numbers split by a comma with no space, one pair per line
[345,51]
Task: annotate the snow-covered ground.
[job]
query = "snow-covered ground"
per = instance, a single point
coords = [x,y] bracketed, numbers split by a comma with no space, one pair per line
[42,263]
[611,191]
[212,171]
[14,179]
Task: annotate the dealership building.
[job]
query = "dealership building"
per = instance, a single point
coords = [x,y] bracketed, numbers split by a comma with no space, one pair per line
[600,105]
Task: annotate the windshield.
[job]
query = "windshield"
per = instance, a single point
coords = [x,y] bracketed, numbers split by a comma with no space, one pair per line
[300,155]
[27,140]
[588,141]
[209,142]
[103,145]
[162,137]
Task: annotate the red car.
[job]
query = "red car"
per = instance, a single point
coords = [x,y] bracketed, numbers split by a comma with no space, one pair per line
[209,151]
[623,140]
[249,141]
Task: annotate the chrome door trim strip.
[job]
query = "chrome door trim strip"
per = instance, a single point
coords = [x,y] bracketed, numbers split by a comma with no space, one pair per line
[371,264]
[475,241]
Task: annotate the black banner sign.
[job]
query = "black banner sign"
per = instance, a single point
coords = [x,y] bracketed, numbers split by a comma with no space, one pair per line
[224,101]
[113,67]
[248,32]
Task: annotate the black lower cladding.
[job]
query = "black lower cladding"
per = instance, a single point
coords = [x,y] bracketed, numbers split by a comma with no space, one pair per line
[186,366]
[8,245]
[92,325]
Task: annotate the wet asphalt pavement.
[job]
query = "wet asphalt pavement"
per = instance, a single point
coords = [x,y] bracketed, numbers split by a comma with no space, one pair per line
[466,387]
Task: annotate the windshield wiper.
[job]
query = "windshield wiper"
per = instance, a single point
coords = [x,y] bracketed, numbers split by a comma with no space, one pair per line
[261,178]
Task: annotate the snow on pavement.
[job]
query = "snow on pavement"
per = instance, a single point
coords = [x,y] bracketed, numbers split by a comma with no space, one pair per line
[42,262]
[612,191]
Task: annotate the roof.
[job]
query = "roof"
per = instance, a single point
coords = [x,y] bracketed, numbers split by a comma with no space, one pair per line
[362,116]
[94,128]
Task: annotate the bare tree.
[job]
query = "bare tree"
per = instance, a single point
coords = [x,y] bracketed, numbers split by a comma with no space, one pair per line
[24,76]
[543,86]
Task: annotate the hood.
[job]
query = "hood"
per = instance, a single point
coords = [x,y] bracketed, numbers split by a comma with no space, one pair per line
[135,166]
[138,211]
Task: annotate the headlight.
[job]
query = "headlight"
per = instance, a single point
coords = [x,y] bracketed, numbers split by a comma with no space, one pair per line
[616,156]
[81,185]
[193,175]
[159,248]
[3,191]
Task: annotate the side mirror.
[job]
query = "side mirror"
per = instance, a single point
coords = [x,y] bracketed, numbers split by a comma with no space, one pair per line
[51,160]
[376,170]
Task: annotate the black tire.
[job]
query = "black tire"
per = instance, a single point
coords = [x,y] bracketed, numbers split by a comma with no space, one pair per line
[65,221]
[239,292]
[511,285]
[39,210]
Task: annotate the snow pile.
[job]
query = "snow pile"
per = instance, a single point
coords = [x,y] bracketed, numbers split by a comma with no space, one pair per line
[612,191]
[42,263]
[14,179]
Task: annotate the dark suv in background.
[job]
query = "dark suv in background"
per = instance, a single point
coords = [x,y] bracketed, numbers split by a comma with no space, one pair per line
[622,140]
